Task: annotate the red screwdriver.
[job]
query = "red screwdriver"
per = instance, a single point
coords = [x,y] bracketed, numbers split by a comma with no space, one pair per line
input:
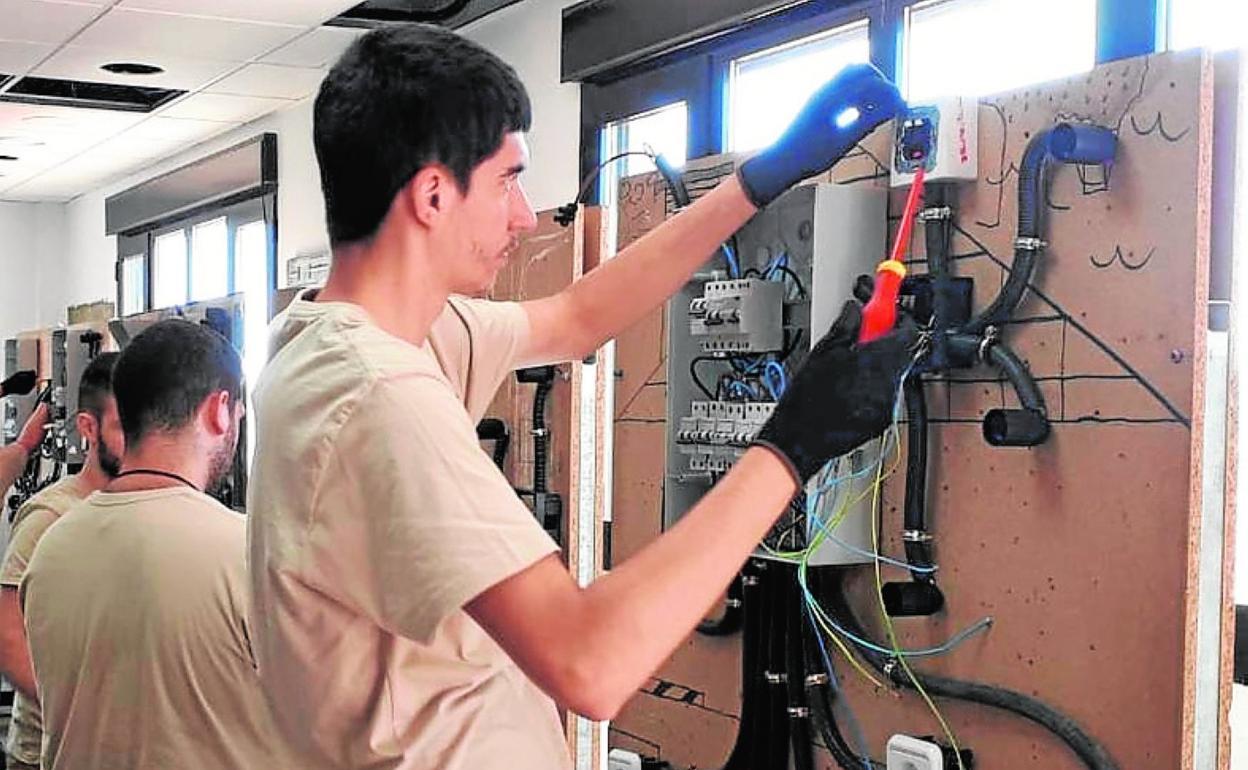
[879,315]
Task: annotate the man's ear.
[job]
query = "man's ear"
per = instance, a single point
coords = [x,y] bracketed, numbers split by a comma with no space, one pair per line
[218,413]
[429,193]
[88,427]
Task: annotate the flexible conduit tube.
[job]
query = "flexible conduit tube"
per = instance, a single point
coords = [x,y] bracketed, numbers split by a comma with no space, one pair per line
[1066,143]
[541,437]
[918,554]
[752,682]
[1087,748]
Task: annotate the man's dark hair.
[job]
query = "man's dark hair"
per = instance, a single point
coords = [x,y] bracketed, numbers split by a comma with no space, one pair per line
[167,371]
[96,385]
[398,100]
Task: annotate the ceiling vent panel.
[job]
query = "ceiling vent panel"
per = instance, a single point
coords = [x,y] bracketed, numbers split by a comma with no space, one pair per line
[449,13]
[81,93]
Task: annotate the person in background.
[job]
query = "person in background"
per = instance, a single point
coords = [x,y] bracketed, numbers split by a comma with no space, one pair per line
[99,426]
[136,601]
[13,456]
[410,613]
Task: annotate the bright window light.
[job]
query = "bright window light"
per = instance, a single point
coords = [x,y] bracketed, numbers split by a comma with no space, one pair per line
[210,260]
[1215,24]
[251,273]
[665,131]
[169,269]
[976,47]
[766,89]
[133,284]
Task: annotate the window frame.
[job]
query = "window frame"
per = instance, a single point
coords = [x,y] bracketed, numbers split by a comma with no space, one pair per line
[698,74]
[260,208]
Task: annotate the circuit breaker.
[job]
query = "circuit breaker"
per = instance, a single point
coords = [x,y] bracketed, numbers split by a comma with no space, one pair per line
[738,316]
[736,336]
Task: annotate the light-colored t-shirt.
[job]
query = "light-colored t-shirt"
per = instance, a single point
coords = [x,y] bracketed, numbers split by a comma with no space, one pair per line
[136,610]
[31,521]
[374,516]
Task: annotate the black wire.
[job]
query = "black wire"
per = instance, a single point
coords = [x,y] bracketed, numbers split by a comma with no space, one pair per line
[792,346]
[693,372]
[593,175]
[800,288]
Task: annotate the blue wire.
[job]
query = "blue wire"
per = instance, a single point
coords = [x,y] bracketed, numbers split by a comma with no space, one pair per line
[733,270]
[854,725]
[781,384]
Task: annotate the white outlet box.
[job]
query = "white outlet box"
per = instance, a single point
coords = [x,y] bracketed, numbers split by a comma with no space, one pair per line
[906,753]
[946,135]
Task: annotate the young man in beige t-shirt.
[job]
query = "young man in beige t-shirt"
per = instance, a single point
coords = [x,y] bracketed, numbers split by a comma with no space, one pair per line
[98,423]
[136,601]
[410,613]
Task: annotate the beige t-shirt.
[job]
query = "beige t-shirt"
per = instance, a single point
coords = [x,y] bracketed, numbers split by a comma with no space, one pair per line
[136,610]
[32,520]
[374,516]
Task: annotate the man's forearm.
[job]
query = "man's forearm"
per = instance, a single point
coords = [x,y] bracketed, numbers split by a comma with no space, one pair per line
[12,461]
[625,289]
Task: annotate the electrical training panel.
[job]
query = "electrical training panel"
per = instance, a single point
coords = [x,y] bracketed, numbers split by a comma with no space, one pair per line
[736,337]
[20,353]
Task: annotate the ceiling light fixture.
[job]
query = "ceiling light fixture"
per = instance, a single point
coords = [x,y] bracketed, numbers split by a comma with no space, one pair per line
[131,68]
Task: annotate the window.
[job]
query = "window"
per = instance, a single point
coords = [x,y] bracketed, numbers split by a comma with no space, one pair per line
[251,274]
[133,284]
[169,270]
[975,47]
[210,260]
[664,130]
[1216,24]
[766,89]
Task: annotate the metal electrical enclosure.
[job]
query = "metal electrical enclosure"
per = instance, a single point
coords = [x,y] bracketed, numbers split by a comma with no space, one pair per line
[824,236]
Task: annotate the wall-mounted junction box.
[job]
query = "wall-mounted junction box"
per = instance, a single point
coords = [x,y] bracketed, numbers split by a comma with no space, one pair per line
[825,236]
[942,137]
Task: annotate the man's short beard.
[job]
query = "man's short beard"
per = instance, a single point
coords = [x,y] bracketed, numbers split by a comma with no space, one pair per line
[222,461]
[108,460]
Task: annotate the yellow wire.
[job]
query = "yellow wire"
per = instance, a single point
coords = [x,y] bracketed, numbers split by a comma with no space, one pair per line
[888,621]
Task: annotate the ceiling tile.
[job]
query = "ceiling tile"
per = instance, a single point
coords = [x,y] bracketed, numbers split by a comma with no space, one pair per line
[190,36]
[175,130]
[224,107]
[319,48]
[17,57]
[38,21]
[77,63]
[270,80]
[304,13]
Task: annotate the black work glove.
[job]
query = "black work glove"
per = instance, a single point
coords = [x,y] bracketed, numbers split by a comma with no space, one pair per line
[842,396]
[814,141]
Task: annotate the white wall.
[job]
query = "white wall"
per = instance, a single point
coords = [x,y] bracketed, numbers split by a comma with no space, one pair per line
[32,254]
[526,35]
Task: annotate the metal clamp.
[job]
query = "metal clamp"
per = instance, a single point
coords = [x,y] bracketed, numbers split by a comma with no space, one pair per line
[991,336]
[816,680]
[935,213]
[775,678]
[749,580]
[733,603]
[1030,244]
[798,712]
[916,536]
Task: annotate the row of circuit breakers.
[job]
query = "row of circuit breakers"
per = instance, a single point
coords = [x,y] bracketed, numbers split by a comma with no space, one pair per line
[797,261]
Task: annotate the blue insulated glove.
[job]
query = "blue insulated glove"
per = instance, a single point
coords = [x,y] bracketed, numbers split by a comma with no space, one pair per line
[814,141]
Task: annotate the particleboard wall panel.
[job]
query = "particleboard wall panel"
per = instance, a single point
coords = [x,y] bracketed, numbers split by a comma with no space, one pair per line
[1082,550]
[544,262]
